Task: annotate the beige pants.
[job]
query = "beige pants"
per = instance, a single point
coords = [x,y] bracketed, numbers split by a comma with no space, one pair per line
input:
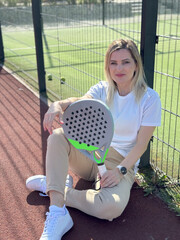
[106,203]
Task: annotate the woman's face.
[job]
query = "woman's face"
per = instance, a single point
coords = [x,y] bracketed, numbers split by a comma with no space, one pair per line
[122,67]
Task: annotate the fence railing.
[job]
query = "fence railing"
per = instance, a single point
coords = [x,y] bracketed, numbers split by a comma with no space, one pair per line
[75,38]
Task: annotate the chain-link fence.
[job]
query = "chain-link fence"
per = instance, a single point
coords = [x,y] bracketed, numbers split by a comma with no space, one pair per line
[18,39]
[166,144]
[76,38]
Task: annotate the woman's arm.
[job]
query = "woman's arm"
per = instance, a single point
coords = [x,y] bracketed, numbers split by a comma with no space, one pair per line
[65,103]
[113,177]
[143,138]
[56,109]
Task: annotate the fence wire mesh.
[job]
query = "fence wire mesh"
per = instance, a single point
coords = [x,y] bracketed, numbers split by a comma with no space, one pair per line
[18,39]
[78,36]
[166,145]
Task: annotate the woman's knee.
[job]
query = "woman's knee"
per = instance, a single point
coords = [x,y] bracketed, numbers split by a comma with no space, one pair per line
[57,137]
[110,211]
[110,206]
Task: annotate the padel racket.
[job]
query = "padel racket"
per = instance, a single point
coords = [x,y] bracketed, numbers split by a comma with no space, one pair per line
[89,127]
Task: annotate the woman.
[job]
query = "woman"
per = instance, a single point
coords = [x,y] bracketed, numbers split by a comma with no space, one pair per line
[136,110]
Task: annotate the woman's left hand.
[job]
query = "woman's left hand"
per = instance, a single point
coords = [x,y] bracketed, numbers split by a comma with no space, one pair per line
[111,178]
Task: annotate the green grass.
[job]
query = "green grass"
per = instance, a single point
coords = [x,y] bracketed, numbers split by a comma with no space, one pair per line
[78,56]
[157,183]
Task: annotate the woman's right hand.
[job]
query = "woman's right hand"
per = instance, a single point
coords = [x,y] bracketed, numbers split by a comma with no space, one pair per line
[54,110]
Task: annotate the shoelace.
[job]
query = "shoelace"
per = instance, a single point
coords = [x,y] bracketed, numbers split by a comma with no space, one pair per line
[50,223]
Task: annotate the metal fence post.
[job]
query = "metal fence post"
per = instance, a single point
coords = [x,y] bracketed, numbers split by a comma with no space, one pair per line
[1,47]
[103,12]
[36,14]
[148,41]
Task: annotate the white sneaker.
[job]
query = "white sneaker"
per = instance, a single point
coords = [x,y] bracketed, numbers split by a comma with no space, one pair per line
[56,225]
[36,183]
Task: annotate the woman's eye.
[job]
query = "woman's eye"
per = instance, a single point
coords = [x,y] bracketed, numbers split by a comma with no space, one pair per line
[126,62]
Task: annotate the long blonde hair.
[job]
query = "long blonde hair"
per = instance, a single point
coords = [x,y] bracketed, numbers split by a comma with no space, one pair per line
[138,83]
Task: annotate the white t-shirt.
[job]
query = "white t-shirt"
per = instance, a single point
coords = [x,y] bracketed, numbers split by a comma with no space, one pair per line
[128,115]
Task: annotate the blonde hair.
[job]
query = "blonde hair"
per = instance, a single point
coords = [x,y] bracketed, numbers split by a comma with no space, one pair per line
[138,83]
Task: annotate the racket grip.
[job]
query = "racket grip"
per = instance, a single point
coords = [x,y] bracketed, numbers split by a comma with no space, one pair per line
[102,169]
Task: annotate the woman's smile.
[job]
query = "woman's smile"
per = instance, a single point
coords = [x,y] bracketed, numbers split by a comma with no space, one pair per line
[119,75]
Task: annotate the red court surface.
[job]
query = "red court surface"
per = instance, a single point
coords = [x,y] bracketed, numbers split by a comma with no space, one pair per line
[22,154]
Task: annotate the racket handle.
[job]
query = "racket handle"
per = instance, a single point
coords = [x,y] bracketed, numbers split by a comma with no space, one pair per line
[102,169]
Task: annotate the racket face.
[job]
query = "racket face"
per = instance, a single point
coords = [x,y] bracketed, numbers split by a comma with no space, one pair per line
[88,125]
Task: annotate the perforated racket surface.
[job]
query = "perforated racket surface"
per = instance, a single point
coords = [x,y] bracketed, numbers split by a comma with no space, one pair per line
[89,127]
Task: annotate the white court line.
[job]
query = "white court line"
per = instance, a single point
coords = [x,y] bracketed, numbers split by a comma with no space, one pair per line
[61,45]
[22,48]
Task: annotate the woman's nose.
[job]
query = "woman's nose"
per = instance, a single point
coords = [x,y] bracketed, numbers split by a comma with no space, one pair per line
[119,67]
